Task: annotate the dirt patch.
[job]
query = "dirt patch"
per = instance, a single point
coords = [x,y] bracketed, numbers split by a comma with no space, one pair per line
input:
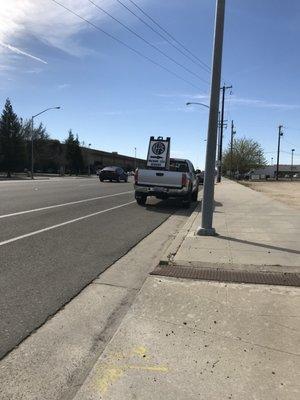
[286,192]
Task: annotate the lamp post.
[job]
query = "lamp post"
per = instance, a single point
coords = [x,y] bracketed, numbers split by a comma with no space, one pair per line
[233,132]
[206,227]
[89,166]
[32,118]
[280,133]
[190,103]
[135,158]
[292,164]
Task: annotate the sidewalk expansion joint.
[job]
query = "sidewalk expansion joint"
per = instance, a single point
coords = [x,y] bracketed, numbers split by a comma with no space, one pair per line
[97,282]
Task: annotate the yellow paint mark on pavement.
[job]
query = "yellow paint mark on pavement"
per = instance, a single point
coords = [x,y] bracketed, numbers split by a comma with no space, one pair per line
[140,351]
[110,372]
[110,375]
[156,368]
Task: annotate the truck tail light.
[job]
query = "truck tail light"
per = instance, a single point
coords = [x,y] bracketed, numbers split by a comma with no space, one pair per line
[184,180]
[136,176]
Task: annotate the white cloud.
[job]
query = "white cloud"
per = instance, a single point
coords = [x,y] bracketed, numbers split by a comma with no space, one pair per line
[27,23]
[240,101]
[234,100]
[187,96]
[63,86]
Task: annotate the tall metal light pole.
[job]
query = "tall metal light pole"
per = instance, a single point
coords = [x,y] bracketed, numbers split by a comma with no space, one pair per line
[210,162]
[271,160]
[32,118]
[89,166]
[292,164]
[280,133]
[135,158]
[233,132]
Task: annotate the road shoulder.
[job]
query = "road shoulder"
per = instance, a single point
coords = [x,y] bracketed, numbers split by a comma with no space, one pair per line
[65,348]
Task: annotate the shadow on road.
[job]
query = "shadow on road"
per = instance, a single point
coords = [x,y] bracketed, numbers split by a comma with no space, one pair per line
[169,206]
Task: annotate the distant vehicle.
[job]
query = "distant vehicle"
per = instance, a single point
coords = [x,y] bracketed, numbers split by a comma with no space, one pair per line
[179,180]
[113,174]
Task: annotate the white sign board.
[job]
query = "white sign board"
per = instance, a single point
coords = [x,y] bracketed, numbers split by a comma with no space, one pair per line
[158,153]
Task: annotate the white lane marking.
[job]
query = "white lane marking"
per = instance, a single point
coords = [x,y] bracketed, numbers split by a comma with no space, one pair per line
[88,184]
[47,180]
[63,204]
[49,228]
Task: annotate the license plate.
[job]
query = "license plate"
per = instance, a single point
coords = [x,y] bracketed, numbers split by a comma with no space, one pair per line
[159,189]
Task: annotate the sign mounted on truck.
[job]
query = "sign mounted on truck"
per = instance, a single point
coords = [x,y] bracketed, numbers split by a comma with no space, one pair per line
[158,153]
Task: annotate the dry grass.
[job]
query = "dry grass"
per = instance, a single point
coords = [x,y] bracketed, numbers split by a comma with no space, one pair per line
[286,192]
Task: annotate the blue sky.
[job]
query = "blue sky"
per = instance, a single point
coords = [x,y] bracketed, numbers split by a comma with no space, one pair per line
[115,100]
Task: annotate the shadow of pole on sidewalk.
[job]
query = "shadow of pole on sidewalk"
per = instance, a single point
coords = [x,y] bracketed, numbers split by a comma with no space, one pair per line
[259,244]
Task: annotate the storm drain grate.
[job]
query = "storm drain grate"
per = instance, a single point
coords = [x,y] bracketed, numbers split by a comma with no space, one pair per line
[223,275]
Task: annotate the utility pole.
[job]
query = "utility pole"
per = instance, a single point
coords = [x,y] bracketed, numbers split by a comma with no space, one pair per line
[280,133]
[292,164]
[210,162]
[223,88]
[32,160]
[231,147]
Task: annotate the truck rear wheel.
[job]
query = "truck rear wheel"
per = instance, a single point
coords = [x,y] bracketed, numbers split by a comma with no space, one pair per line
[186,201]
[141,201]
[195,195]
[186,204]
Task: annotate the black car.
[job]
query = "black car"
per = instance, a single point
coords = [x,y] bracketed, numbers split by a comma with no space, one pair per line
[113,174]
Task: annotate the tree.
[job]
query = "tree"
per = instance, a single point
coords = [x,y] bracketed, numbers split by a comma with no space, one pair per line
[40,144]
[73,153]
[12,143]
[247,154]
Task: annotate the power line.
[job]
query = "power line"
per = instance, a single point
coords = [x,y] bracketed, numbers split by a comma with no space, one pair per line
[126,45]
[203,64]
[287,142]
[199,63]
[146,41]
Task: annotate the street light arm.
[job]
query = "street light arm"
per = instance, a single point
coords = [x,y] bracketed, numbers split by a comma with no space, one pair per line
[32,118]
[47,109]
[199,104]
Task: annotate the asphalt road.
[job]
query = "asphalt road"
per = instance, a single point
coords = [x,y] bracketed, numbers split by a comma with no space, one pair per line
[56,236]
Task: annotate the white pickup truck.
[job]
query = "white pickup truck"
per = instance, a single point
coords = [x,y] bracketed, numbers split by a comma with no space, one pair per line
[179,180]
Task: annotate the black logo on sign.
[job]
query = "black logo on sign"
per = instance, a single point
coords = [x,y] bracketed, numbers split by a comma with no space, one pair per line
[158,148]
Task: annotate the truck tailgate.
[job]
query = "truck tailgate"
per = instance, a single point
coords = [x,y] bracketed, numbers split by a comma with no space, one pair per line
[148,177]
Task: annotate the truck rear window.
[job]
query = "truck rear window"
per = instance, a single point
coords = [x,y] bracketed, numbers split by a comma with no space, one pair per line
[179,166]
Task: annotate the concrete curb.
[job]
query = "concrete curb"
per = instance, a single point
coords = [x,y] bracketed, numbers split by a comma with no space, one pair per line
[172,250]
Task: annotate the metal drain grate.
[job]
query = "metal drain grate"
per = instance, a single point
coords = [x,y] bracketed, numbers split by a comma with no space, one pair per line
[223,275]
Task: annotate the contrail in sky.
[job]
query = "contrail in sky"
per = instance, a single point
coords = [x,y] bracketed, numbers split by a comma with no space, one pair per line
[18,51]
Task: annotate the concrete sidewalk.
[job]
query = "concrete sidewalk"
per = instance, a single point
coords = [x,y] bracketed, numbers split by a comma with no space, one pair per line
[252,228]
[193,339]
